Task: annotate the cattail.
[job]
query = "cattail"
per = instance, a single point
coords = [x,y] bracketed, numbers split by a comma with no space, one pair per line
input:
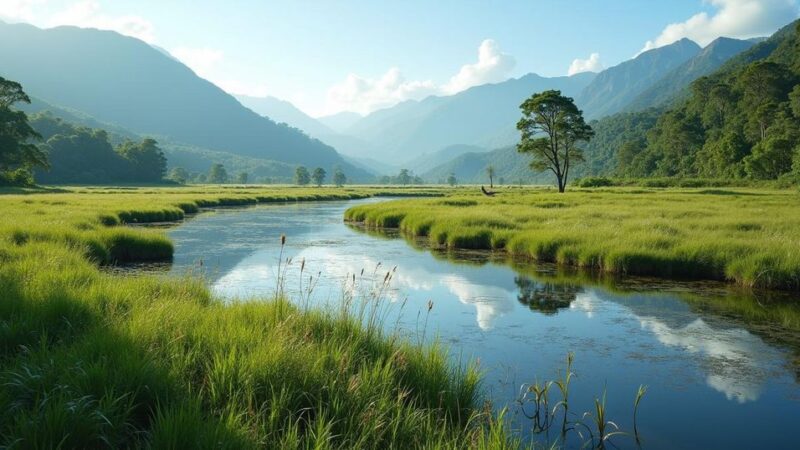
[302,264]
[386,277]
[430,305]
[283,239]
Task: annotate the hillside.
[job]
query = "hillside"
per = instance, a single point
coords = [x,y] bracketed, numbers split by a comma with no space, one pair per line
[674,85]
[282,111]
[413,128]
[614,88]
[511,167]
[126,82]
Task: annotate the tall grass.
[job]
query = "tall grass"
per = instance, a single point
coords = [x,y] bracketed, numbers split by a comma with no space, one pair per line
[747,236]
[93,360]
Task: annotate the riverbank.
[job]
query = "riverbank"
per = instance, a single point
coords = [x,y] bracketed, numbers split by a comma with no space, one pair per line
[91,359]
[746,236]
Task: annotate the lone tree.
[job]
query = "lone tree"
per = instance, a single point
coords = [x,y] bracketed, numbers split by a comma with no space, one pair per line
[301,176]
[339,178]
[242,178]
[451,180]
[490,172]
[318,176]
[552,127]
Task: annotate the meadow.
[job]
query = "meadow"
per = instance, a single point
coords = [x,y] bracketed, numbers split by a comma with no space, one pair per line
[746,236]
[89,359]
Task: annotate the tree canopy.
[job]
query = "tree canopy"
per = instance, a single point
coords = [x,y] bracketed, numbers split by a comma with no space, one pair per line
[552,128]
[18,152]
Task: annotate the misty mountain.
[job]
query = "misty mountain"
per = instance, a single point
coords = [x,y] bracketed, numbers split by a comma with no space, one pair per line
[413,128]
[614,88]
[426,162]
[510,166]
[126,82]
[675,84]
[340,122]
[282,111]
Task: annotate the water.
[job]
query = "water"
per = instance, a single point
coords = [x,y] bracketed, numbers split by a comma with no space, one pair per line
[715,380]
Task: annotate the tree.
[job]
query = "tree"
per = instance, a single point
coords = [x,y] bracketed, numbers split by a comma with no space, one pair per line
[17,152]
[451,179]
[217,174]
[301,176]
[318,176]
[404,177]
[551,129]
[242,178]
[178,175]
[339,178]
[490,172]
[147,160]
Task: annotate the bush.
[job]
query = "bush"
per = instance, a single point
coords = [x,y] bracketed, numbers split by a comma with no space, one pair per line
[590,182]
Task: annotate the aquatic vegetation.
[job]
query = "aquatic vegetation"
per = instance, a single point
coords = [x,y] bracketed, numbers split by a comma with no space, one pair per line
[746,236]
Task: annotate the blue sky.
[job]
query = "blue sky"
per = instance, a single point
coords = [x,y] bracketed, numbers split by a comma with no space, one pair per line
[327,55]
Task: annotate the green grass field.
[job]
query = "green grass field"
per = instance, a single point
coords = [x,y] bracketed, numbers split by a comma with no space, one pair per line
[93,360]
[747,236]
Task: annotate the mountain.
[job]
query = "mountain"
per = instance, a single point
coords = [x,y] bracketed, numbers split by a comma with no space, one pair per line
[425,162]
[126,82]
[413,128]
[282,111]
[340,122]
[614,88]
[511,167]
[675,84]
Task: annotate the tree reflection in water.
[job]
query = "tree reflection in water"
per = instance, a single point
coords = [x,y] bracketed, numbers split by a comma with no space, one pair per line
[545,297]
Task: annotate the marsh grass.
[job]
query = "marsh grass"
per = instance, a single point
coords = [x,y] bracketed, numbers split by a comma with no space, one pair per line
[89,359]
[746,236]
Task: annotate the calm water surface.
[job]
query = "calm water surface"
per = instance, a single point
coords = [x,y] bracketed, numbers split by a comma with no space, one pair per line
[715,380]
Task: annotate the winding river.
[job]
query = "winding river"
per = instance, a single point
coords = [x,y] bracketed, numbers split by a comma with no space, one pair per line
[714,379]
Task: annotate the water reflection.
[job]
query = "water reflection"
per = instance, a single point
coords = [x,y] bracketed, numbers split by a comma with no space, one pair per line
[689,342]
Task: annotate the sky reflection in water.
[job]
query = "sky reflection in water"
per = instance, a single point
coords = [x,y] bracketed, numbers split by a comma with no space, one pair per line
[707,374]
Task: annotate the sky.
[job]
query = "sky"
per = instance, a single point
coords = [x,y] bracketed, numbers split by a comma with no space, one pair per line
[328,56]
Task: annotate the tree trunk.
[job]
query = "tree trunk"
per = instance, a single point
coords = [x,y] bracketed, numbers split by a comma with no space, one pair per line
[491,183]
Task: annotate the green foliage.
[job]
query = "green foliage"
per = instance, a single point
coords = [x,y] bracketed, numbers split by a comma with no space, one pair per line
[318,176]
[217,174]
[743,121]
[178,175]
[301,176]
[552,127]
[590,182]
[339,178]
[242,178]
[451,180]
[17,153]
[146,160]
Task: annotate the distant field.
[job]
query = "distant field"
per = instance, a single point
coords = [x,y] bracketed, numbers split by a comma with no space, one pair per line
[748,236]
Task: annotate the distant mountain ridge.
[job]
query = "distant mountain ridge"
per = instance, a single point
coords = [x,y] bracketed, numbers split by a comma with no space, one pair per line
[614,88]
[126,82]
[674,84]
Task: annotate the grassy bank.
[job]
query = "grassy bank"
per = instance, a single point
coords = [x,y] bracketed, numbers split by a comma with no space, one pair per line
[747,236]
[93,360]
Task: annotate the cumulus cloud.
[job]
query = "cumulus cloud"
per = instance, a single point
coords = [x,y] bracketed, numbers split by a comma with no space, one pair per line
[732,18]
[19,10]
[88,14]
[592,64]
[365,95]
[492,66]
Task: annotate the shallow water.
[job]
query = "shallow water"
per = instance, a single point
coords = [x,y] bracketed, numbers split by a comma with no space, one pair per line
[714,379]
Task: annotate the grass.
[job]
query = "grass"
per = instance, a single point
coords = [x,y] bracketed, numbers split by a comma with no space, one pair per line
[93,360]
[746,236]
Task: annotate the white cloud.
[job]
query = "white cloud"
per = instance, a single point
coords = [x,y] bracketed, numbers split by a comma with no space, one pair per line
[88,14]
[365,95]
[733,18]
[592,64]
[20,10]
[492,66]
